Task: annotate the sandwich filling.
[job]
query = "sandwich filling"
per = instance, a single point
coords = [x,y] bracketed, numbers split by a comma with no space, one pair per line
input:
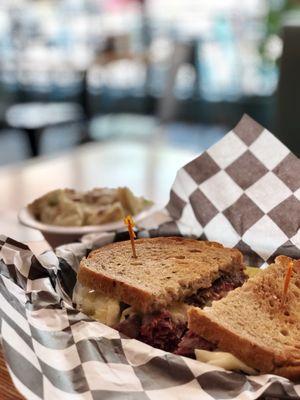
[165,329]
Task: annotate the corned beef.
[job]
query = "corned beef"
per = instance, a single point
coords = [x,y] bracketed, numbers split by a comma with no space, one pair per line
[161,331]
[189,342]
[219,289]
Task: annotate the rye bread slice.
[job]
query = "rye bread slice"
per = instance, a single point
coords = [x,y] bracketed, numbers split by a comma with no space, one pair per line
[167,269]
[252,324]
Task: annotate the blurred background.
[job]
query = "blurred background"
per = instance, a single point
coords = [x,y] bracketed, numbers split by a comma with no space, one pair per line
[74,71]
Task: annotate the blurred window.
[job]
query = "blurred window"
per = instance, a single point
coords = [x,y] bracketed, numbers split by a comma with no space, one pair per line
[42,41]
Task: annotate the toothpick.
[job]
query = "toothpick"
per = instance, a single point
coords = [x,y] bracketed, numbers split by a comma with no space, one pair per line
[130,224]
[287,279]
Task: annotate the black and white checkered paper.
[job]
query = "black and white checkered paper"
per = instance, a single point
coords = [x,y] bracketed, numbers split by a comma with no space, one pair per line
[55,352]
[243,192]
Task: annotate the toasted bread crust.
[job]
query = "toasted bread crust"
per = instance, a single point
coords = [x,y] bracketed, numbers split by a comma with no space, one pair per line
[290,372]
[167,269]
[265,338]
[120,290]
[226,340]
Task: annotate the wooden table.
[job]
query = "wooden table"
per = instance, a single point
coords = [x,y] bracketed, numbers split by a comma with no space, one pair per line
[148,169]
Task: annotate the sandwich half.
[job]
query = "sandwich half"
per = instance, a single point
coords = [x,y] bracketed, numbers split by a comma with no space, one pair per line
[147,297]
[254,323]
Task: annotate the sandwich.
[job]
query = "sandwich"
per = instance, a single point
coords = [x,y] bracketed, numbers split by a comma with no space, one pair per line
[147,297]
[259,323]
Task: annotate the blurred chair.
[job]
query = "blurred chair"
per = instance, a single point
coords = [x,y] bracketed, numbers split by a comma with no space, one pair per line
[288,118]
[167,107]
[165,122]
[137,126]
[34,117]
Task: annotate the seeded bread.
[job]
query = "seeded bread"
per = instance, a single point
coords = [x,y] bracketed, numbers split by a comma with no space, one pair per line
[167,269]
[254,325]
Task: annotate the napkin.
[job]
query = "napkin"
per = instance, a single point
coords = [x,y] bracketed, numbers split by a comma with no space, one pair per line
[55,352]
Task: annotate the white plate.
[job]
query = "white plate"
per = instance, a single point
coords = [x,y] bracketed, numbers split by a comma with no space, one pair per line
[27,219]
[59,235]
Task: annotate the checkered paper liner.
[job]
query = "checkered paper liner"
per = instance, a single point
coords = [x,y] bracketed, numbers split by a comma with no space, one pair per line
[55,352]
[243,192]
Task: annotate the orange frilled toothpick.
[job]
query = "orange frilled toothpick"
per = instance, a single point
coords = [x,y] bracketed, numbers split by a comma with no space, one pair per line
[130,224]
[287,280]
